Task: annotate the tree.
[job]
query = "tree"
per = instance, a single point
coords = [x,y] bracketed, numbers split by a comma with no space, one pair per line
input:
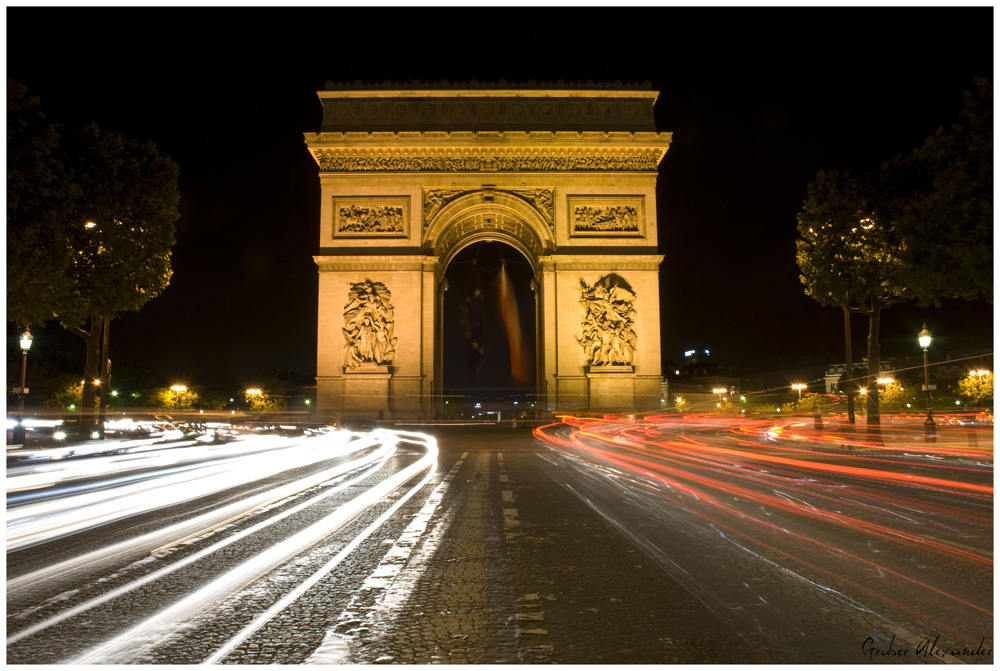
[977,386]
[850,254]
[39,202]
[121,232]
[261,401]
[90,227]
[947,216]
[173,399]
[894,397]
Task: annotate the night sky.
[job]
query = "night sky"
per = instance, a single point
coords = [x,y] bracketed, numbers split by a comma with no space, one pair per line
[758,101]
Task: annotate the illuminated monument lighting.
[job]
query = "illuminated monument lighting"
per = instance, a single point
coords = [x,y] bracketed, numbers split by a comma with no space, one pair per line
[410,176]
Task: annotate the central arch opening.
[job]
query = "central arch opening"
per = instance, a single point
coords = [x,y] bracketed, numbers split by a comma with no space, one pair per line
[489,362]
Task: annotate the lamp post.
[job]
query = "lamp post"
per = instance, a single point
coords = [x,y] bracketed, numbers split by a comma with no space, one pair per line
[924,338]
[19,431]
[799,387]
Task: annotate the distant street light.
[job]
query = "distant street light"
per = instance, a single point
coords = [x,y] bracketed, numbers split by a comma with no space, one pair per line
[178,389]
[799,387]
[924,338]
[254,398]
[19,431]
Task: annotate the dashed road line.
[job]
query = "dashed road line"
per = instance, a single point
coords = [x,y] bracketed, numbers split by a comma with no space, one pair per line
[511,518]
[529,618]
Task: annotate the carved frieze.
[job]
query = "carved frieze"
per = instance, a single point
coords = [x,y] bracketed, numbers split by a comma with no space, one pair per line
[435,199]
[503,163]
[609,337]
[369,322]
[371,216]
[607,215]
[541,199]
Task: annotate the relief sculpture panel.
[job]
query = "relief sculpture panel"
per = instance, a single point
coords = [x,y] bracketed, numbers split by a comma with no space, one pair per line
[368,216]
[609,337]
[369,322]
[607,215]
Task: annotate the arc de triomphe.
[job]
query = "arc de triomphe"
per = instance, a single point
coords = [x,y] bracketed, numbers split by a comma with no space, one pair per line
[411,176]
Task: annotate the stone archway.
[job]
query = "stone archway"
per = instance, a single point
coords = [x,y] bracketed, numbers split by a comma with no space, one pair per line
[489,316]
[565,176]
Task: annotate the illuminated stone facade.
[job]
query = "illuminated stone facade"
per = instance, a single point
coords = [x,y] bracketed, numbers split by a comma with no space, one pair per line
[410,176]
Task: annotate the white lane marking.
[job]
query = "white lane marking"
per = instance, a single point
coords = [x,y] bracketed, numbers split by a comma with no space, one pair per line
[335,647]
[511,518]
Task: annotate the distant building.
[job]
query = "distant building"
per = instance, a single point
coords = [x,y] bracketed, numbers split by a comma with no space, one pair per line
[887,368]
[697,377]
[698,369]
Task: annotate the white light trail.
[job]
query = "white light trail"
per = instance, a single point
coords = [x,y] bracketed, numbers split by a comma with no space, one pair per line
[255,458]
[144,636]
[295,594]
[102,556]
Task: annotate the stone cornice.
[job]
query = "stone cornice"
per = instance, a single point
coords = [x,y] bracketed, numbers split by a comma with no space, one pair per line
[387,263]
[486,93]
[410,139]
[604,262]
[488,152]
[476,85]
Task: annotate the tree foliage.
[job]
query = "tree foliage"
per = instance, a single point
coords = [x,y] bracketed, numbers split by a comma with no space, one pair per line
[848,251]
[39,201]
[171,399]
[947,214]
[978,388]
[121,229]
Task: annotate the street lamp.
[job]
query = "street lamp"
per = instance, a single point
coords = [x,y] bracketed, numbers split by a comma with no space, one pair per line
[924,338]
[19,431]
[254,397]
[799,387]
[178,389]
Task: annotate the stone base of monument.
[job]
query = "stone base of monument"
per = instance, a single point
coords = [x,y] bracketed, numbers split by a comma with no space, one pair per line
[366,391]
[611,387]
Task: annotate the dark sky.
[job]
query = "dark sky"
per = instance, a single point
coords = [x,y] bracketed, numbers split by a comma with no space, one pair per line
[758,99]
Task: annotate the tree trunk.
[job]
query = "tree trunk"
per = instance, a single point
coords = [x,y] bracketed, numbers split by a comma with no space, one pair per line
[91,372]
[874,364]
[104,392]
[848,376]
